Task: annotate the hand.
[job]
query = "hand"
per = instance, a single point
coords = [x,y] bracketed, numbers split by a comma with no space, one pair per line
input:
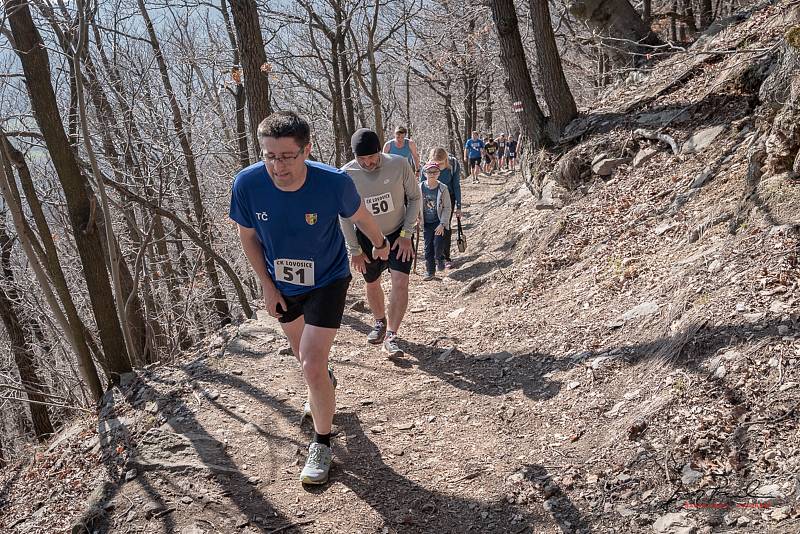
[383,253]
[404,250]
[458,213]
[360,262]
[273,299]
[439,230]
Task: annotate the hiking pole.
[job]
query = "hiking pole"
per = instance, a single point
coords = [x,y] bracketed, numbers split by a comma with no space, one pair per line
[416,248]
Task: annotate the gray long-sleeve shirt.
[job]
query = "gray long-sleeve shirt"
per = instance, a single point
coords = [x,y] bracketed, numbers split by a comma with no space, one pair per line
[390,193]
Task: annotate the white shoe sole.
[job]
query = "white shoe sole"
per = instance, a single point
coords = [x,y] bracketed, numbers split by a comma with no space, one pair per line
[397,353]
[311,482]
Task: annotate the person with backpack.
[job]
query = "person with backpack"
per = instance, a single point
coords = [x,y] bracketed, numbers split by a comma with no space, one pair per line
[449,175]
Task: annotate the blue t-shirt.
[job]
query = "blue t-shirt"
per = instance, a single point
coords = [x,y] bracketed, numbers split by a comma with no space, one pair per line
[474,148]
[299,230]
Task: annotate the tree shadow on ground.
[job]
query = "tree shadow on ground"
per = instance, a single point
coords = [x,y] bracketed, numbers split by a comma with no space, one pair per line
[8,485]
[478,269]
[405,505]
[491,374]
[500,373]
[247,498]
[563,511]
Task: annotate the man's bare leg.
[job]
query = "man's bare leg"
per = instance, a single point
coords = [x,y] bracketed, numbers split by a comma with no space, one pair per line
[376,299]
[315,347]
[398,300]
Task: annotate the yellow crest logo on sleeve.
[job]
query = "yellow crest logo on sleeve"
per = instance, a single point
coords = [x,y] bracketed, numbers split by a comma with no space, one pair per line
[311,218]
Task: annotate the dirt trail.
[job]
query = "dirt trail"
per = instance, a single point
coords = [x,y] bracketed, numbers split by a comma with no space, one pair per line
[424,443]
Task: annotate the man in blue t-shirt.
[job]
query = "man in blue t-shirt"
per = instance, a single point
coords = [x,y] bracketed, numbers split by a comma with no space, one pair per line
[473,152]
[288,213]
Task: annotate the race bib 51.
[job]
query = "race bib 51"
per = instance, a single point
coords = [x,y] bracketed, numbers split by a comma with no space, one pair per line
[297,272]
[380,204]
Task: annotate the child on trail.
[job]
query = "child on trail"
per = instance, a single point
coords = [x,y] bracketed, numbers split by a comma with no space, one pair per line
[450,175]
[435,210]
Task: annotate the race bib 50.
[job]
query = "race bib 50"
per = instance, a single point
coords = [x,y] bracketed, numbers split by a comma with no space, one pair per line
[380,204]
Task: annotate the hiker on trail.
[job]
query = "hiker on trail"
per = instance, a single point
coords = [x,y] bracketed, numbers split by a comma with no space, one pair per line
[435,212]
[389,189]
[401,146]
[288,210]
[511,152]
[450,175]
[490,149]
[501,151]
[473,152]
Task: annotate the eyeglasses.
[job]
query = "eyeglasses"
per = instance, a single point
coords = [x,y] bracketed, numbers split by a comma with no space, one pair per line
[273,159]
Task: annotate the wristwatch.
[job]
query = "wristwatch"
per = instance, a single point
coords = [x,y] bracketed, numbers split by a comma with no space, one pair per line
[403,233]
[383,245]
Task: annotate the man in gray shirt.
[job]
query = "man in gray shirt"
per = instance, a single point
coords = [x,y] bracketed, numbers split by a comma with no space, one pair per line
[389,188]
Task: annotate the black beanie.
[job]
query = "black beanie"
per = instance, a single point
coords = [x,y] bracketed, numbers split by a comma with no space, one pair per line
[365,142]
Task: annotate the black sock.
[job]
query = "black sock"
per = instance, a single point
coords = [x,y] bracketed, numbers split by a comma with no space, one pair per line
[325,439]
[382,320]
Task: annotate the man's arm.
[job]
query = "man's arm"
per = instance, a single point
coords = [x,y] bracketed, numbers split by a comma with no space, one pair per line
[350,236]
[414,154]
[369,227]
[254,251]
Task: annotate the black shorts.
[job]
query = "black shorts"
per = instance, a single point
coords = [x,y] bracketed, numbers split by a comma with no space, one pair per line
[511,155]
[474,162]
[323,306]
[376,267]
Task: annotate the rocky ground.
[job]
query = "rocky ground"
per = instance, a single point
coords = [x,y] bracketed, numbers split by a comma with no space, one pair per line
[617,356]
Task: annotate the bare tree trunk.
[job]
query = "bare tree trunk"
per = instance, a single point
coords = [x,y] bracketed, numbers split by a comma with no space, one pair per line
[254,64]
[487,109]
[220,300]
[452,141]
[35,63]
[238,92]
[21,346]
[115,258]
[532,120]
[673,25]
[706,14]
[557,93]
[619,20]
[75,330]
[647,11]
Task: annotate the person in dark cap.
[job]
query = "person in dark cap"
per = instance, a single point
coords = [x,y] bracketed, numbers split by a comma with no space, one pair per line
[388,185]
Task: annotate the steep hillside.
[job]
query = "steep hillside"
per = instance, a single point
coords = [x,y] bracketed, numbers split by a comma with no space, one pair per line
[617,351]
